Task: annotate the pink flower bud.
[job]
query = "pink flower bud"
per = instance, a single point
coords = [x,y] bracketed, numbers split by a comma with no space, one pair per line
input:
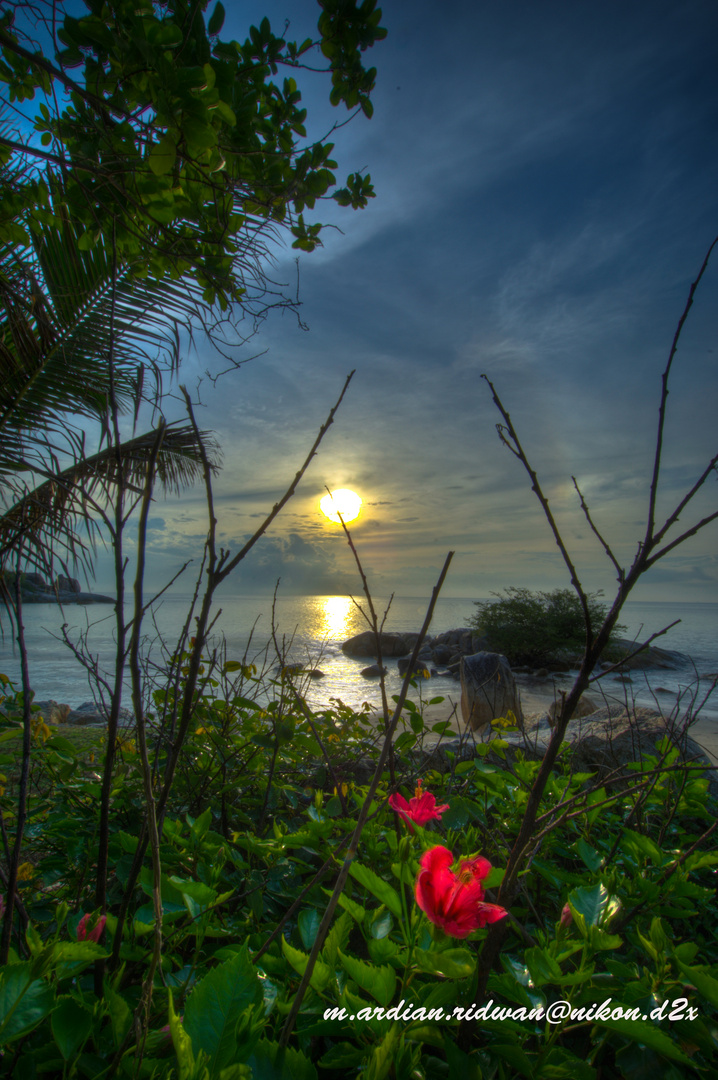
[93,934]
[566,916]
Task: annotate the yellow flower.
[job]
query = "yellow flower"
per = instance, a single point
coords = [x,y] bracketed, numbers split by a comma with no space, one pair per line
[25,871]
[40,728]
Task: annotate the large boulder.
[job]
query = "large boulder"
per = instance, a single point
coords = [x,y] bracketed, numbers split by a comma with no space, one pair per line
[91,714]
[586,706]
[392,644]
[421,666]
[649,657]
[52,712]
[612,737]
[488,690]
[373,671]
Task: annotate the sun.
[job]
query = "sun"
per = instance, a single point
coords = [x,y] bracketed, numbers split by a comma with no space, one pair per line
[342,501]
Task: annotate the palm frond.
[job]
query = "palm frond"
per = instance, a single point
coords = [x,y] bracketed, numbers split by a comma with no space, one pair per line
[70,322]
[51,513]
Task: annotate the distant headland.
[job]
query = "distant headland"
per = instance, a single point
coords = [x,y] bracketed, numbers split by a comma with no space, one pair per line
[34,589]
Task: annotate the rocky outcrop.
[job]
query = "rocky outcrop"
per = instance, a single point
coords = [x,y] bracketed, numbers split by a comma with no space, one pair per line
[373,671]
[51,711]
[488,690]
[420,666]
[586,706]
[611,738]
[91,714]
[649,657]
[392,644]
[36,590]
[446,650]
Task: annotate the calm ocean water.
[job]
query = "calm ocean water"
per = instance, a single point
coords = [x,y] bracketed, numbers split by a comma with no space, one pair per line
[313,629]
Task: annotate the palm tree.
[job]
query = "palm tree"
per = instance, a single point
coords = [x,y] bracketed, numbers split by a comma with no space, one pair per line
[82,340]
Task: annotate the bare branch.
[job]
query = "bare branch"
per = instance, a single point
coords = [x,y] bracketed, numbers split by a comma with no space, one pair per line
[653,495]
[518,452]
[606,546]
[710,468]
[636,651]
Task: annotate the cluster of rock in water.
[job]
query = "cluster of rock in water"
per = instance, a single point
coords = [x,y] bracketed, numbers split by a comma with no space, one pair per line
[602,740]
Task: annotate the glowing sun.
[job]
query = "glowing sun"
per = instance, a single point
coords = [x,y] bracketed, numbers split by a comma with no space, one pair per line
[342,501]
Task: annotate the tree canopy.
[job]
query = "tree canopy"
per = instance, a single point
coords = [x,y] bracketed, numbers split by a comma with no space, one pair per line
[147,190]
[180,148]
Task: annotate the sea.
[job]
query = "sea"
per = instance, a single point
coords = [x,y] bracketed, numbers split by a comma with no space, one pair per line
[310,630]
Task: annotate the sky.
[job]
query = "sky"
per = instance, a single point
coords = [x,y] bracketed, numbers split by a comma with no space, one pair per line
[545,180]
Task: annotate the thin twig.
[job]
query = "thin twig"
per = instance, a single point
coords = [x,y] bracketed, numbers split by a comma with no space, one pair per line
[361,821]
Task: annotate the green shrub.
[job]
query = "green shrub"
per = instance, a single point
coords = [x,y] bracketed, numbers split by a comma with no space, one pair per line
[537,627]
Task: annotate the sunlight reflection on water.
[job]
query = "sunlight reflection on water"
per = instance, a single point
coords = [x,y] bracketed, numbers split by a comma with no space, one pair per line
[313,629]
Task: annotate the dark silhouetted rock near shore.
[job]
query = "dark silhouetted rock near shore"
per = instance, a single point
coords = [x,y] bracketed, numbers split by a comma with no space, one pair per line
[34,589]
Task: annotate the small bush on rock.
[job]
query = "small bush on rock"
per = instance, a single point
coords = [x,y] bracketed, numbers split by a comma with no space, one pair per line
[537,627]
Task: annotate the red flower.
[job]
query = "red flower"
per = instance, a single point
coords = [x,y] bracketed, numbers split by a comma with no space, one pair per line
[83,934]
[455,902]
[421,809]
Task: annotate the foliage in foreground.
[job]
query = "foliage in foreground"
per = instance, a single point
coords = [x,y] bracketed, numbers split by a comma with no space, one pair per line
[618,905]
[538,627]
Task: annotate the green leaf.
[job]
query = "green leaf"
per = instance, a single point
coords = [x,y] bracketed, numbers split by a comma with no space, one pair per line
[460,1064]
[594,903]
[591,858]
[381,926]
[182,1044]
[216,21]
[199,135]
[517,1059]
[356,911]
[458,815]
[380,982]
[451,963]
[74,951]
[705,984]
[166,35]
[336,939]
[270,1061]
[383,1056]
[120,1014]
[215,1006]
[308,923]
[543,968]
[377,887]
[24,1001]
[321,974]
[643,1032]
[71,1024]
[163,156]
[638,844]
[200,827]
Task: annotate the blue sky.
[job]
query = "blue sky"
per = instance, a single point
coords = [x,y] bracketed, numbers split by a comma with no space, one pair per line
[546,191]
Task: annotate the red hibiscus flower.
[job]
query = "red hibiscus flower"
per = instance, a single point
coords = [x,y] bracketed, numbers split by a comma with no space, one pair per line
[421,809]
[94,934]
[455,901]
